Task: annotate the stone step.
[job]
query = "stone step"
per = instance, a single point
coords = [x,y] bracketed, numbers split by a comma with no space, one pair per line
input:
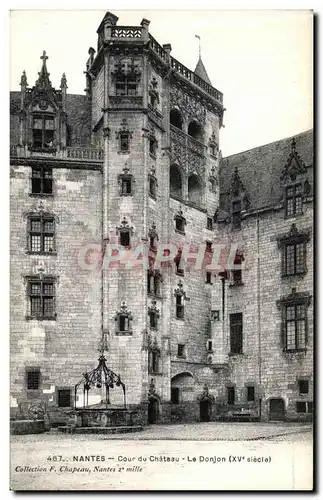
[99,430]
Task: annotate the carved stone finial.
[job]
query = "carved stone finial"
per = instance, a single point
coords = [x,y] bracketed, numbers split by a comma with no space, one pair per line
[293,145]
[44,57]
[23,81]
[63,82]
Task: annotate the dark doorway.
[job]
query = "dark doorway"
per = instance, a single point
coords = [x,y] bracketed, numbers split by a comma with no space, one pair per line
[205,411]
[277,409]
[153,408]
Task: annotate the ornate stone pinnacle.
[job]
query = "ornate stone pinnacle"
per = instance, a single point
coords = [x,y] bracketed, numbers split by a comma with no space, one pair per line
[63,82]
[23,81]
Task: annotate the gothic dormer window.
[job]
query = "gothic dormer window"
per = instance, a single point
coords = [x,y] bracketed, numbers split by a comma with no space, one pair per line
[153,93]
[295,184]
[126,75]
[239,199]
[126,182]
[123,320]
[124,136]
[125,231]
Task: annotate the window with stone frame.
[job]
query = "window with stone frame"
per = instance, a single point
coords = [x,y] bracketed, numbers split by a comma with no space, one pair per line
[236,274]
[236,214]
[124,231]
[208,277]
[209,223]
[124,142]
[126,183]
[294,200]
[293,246]
[294,320]
[41,298]
[154,283]
[303,386]
[41,234]
[180,222]
[33,379]
[123,320]
[304,406]
[41,180]
[64,399]
[43,131]
[236,333]
[250,393]
[126,84]
[181,351]
[153,144]
[180,298]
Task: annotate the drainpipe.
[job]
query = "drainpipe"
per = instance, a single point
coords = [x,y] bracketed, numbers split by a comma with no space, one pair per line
[259,319]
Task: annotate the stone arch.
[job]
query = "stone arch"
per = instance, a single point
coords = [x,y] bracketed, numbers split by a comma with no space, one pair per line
[175,181]
[182,387]
[195,130]
[194,187]
[176,119]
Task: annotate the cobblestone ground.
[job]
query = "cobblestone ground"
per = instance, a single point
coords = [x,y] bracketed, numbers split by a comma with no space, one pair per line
[201,454]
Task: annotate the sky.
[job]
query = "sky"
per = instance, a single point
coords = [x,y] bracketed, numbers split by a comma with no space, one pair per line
[261,60]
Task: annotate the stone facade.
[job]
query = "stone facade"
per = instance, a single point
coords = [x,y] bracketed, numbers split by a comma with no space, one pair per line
[135,163]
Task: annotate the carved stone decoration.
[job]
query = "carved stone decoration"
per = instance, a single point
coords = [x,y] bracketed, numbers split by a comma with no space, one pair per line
[123,311]
[124,226]
[179,291]
[152,393]
[127,67]
[213,179]
[189,107]
[23,81]
[178,155]
[205,395]
[293,236]
[294,298]
[152,233]
[195,165]
[295,166]
[153,90]
[152,309]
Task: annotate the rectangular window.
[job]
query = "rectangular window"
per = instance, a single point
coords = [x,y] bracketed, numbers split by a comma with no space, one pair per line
[236,214]
[180,225]
[231,395]
[126,186]
[303,386]
[209,223]
[42,181]
[64,398]
[294,200]
[294,258]
[126,85]
[295,327]
[33,380]
[124,324]
[152,146]
[208,278]
[124,142]
[175,395]
[179,306]
[43,132]
[209,345]
[152,187]
[304,406]
[41,234]
[125,238]
[250,393]
[153,320]
[41,299]
[181,350]
[236,333]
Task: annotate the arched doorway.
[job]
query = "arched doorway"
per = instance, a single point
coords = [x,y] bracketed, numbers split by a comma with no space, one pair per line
[153,410]
[276,409]
[206,401]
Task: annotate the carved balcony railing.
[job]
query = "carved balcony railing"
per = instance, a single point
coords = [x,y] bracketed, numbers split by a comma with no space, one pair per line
[69,153]
[158,49]
[126,32]
[178,136]
[192,77]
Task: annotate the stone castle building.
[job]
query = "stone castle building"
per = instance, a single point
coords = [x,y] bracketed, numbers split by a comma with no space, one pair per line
[133,163]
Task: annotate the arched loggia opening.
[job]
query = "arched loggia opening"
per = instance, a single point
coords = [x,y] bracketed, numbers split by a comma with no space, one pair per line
[175,182]
[176,119]
[194,190]
[195,130]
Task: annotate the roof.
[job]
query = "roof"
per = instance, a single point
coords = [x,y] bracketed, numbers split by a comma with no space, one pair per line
[201,71]
[260,169]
